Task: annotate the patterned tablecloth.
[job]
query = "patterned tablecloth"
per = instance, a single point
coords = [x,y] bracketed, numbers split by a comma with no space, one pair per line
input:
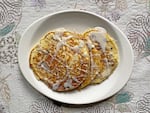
[131,16]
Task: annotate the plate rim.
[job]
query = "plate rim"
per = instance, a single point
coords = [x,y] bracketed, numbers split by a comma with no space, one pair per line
[74,11]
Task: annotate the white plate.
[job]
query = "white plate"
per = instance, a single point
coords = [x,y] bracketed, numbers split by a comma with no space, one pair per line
[77,21]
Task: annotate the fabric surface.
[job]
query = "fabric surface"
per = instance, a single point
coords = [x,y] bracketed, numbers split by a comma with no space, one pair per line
[131,16]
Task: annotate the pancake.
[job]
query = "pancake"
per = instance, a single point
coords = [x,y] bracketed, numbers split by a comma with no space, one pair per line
[105,54]
[66,60]
[60,60]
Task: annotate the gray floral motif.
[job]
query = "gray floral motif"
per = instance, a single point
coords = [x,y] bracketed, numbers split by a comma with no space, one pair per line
[147,2]
[4,89]
[111,9]
[138,32]
[114,16]
[143,105]
[120,103]
[101,108]
[10,15]
[38,4]
[123,108]
[44,106]
[8,49]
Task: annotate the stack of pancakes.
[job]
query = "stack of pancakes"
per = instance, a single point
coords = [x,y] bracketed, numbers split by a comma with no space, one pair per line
[66,60]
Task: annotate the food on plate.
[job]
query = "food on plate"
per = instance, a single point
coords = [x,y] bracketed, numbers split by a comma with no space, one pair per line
[66,60]
[61,60]
[103,53]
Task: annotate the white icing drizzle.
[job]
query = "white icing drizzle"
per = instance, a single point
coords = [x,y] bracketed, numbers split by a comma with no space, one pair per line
[101,29]
[75,79]
[106,73]
[107,70]
[99,36]
[68,84]
[81,43]
[85,71]
[62,41]
[44,66]
[58,33]
[67,70]
[78,47]
[43,51]
[57,36]
[90,44]
[106,61]
[55,86]
[93,65]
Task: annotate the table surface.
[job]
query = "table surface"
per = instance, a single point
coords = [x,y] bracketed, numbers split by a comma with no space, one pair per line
[131,16]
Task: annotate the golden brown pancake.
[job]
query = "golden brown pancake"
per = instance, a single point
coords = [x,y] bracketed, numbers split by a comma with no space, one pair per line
[105,54]
[66,60]
[61,60]
[95,53]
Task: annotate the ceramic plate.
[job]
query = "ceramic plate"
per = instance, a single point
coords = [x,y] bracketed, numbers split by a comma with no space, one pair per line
[79,21]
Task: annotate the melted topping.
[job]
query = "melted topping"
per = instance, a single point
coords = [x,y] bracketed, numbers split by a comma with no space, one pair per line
[68,84]
[63,70]
[100,37]
[62,42]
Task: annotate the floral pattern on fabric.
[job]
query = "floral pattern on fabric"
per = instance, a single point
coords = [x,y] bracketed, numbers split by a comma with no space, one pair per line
[44,106]
[10,15]
[4,88]
[38,4]
[111,9]
[143,105]
[138,32]
[8,49]
[146,2]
